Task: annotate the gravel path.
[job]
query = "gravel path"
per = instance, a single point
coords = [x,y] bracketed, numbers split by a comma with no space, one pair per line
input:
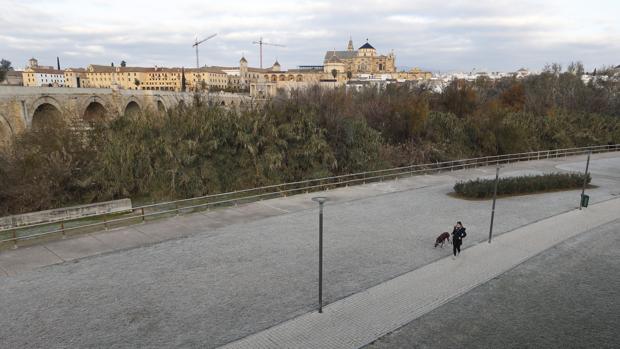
[566,297]
[210,289]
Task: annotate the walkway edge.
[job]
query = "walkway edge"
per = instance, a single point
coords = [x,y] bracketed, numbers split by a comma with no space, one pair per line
[360,319]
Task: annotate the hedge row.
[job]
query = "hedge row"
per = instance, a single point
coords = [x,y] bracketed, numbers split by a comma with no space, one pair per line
[483,188]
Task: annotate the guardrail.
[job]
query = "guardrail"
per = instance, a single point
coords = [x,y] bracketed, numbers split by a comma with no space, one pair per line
[142,213]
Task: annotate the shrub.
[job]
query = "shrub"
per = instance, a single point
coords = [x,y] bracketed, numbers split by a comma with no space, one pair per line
[483,188]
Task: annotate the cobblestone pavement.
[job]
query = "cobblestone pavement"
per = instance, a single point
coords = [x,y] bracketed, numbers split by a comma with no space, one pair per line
[566,297]
[235,277]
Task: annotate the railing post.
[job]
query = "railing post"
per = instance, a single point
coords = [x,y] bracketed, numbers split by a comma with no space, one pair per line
[176,207]
[142,210]
[105,222]
[62,228]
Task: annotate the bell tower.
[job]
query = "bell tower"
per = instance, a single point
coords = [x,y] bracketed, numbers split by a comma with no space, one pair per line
[350,47]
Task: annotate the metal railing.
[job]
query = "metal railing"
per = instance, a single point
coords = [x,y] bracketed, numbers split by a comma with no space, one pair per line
[142,213]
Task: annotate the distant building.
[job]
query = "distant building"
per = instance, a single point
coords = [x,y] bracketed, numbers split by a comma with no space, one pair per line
[413,74]
[38,77]
[361,61]
[338,68]
[521,73]
[75,77]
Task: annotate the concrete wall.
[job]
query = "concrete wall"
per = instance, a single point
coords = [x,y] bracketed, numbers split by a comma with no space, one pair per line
[58,214]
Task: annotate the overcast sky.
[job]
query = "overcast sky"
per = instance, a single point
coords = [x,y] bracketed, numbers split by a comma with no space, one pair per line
[436,35]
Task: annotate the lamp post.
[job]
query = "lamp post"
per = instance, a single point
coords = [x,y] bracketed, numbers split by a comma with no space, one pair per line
[585,179]
[321,200]
[494,198]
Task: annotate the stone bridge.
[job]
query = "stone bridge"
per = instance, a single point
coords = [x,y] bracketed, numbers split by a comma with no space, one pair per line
[25,107]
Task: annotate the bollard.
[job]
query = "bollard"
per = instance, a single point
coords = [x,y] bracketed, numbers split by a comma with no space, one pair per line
[62,228]
[142,209]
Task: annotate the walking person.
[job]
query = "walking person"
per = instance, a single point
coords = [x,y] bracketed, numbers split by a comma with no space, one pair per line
[458,234]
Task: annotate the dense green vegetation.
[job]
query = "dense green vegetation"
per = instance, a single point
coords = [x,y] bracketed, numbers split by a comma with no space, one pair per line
[201,149]
[484,188]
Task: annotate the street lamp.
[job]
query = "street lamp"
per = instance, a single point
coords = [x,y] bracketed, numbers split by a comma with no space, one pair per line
[321,200]
[494,198]
[584,202]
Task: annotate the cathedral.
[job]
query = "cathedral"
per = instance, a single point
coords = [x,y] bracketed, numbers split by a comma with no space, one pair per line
[361,61]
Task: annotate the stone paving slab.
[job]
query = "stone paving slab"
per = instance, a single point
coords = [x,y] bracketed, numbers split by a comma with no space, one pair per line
[292,203]
[360,319]
[124,238]
[166,229]
[199,222]
[598,167]
[256,210]
[27,258]
[78,247]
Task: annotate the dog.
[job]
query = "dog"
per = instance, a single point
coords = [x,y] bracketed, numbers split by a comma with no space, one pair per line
[441,239]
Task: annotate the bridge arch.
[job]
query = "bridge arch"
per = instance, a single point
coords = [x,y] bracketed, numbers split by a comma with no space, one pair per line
[42,107]
[6,129]
[132,108]
[161,107]
[95,108]
[45,114]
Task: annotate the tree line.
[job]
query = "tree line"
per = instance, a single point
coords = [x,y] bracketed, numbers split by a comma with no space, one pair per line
[202,149]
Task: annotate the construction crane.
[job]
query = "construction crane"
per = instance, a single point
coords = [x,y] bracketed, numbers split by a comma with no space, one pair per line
[196,43]
[261,43]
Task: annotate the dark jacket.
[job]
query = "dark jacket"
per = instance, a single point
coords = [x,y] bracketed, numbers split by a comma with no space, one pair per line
[457,235]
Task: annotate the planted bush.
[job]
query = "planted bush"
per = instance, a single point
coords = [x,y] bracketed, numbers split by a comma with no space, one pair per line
[483,188]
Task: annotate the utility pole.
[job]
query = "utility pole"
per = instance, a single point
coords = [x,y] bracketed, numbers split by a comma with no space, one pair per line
[260,43]
[196,43]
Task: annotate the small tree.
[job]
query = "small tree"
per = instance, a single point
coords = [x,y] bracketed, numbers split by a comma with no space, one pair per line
[5,66]
[575,68]
[136,82]
[123,64]
[349,75]
[334,73]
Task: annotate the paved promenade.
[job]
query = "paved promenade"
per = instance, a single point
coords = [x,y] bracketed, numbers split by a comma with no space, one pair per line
[565,297]
[360,319]
[208,279]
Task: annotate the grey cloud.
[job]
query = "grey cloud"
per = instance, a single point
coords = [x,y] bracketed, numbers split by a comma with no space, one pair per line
[500,35]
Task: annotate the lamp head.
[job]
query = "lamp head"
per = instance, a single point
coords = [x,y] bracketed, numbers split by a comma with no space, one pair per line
[320,199]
